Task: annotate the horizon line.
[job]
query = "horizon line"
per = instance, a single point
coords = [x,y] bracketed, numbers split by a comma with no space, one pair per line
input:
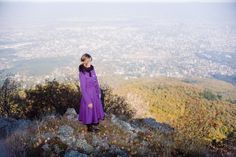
[114,1]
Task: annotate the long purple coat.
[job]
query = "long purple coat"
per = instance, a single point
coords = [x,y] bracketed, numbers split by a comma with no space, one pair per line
[91,93]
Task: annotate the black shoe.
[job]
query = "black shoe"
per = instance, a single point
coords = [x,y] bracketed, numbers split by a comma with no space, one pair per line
[89,128]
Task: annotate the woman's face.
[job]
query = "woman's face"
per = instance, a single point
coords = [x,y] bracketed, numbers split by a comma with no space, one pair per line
[87,61]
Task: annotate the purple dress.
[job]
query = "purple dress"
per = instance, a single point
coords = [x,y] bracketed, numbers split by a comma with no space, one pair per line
[91,93]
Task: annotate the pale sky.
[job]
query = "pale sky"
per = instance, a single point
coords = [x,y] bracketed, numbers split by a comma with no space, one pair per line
[175,1]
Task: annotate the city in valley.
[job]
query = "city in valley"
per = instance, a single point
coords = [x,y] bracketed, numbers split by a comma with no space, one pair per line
[133,40]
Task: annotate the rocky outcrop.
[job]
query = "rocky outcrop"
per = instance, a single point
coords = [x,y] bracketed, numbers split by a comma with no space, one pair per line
[125,125]
[151,123]
[66,135]
[66,141]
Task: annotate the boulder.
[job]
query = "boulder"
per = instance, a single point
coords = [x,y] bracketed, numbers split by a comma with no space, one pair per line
[98,142]
[82,143]
[122,124]
[65,133]
[71,114]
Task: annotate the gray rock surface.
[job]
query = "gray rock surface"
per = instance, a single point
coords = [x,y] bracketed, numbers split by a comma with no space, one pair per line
[163,127]
[48,135]
[117,151]
[100,143]
[123,124]
[77,143]
[82,143]
[71,114]
[65,133]
[45,147]
[73,153]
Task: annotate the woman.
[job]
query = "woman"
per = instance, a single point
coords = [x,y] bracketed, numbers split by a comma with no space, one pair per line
[91,110]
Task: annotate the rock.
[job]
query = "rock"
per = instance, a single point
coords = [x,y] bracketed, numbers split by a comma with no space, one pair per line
[48,135]
[97,142]
[73,153]
[133,135]
[143,149]
[57,149]
[126,126]
[48,117]
[65,133]
[10,125]
[83,144]
[71,114]
[163,127]
[138,125]
[45,147]
[54,145]
[114,150]
[122,124]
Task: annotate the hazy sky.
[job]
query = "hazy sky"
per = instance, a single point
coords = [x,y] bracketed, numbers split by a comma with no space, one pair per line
[121,0]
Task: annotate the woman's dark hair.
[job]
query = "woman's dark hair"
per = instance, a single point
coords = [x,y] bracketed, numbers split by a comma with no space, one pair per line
[84,56]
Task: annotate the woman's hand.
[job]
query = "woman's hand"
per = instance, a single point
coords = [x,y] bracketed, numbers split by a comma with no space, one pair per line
[90,105]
